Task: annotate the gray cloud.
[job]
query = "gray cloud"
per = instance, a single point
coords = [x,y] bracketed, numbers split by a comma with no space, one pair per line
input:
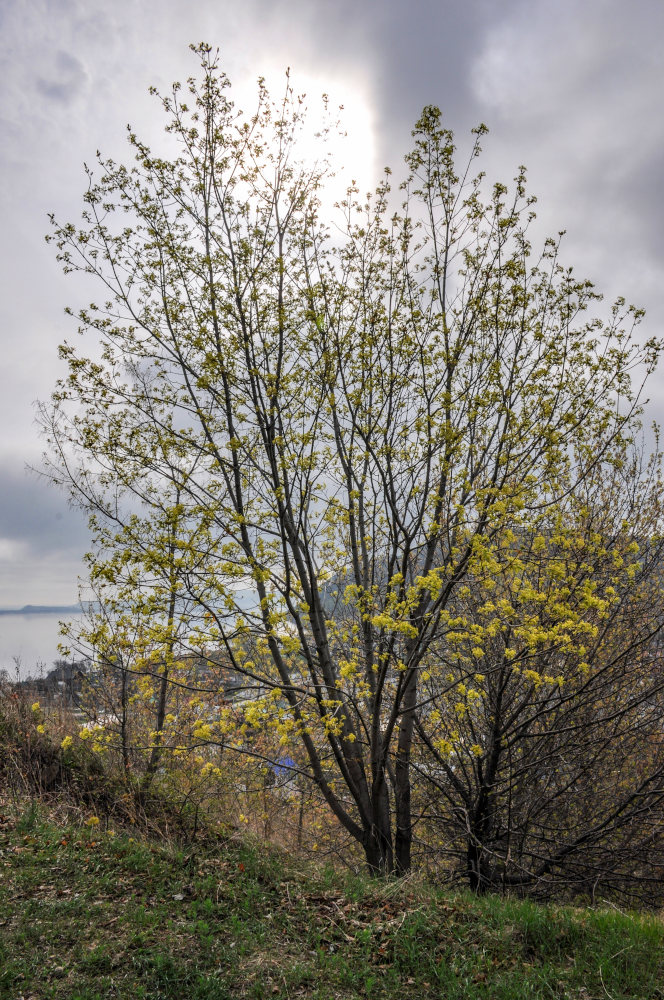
[65,80]
[574,91]
[37,516]
[42,540]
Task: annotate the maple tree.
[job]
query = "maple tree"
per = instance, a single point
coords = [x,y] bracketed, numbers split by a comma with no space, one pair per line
[345,427]
[546,769]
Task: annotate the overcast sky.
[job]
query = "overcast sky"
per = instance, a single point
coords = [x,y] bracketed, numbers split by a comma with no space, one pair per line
[571,88]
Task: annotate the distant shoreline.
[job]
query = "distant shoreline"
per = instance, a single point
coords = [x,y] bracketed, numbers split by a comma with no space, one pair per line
[44,609]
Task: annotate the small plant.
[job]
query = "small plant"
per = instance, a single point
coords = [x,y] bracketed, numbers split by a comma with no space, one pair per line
[30,819]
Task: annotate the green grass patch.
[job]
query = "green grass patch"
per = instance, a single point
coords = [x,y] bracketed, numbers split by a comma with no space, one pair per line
[86,915]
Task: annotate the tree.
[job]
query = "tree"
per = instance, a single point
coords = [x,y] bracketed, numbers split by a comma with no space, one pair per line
[363,412]
[548,768]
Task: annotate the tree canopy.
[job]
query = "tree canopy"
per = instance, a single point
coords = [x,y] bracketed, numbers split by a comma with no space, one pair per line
[385,465]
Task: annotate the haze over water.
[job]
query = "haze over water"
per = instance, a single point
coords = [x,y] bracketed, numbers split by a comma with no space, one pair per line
[33,639]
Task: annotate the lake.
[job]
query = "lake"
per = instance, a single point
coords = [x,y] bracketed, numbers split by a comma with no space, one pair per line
[32,638]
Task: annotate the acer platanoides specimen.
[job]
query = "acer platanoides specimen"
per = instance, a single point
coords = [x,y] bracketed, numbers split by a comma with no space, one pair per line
[354,408]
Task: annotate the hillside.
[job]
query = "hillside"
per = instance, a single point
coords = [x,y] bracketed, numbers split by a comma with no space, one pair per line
[88,913]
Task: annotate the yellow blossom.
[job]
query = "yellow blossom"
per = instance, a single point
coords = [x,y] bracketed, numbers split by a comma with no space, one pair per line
[202,731]
[444,747]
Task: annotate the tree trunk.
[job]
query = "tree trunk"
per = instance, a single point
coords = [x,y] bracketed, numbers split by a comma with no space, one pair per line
[378,852]
[480,834]
[478,873]
[163,687]
[124,724]
[404,830]
[155,753]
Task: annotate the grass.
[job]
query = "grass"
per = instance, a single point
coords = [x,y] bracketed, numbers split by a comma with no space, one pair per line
[86,915]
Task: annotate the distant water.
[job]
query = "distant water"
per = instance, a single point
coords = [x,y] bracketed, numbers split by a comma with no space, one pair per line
[33,639]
